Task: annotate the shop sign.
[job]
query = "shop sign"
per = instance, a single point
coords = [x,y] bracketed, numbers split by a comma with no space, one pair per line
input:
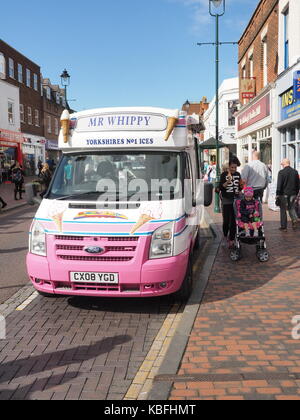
[6,135]
[248,88]
[289,105]
[297,84]
[256,112]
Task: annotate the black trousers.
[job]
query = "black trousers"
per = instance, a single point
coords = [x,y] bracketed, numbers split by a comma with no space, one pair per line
[18,188]
[229,225]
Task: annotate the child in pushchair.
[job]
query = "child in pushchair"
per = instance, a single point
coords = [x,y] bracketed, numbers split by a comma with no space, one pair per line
[249,226]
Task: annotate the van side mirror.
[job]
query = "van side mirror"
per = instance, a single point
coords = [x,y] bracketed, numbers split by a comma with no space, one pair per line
[32,197]
[208,193]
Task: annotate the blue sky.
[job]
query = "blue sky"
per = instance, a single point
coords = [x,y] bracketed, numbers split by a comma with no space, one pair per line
[127,52]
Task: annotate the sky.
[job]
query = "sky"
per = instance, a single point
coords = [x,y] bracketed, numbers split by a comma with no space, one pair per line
[127,52]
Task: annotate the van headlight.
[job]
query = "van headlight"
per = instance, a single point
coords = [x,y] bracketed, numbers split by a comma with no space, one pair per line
[162,243]
[38,240]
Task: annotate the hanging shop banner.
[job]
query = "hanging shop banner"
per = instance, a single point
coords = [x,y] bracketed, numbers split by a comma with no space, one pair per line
[289,105]
[248,88]
[255,113]
[297,84]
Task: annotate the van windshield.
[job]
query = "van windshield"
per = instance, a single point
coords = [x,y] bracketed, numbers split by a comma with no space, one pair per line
[118,177]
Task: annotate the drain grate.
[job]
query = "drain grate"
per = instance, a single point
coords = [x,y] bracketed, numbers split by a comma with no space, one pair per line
[237,377]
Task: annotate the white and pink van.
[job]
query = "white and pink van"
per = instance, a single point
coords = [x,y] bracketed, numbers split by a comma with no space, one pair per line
[121,216]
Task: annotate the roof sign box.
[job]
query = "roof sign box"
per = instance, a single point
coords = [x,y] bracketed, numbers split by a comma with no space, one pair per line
[122,122]
[128,128]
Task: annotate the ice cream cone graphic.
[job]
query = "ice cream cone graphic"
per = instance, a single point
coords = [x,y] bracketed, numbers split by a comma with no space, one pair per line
[58,220]
[65,123]
[56,213]
[148,212]
[143,219]
[172,121]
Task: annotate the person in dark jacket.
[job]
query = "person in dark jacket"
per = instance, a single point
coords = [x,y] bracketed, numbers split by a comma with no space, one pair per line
[287,192]
[230,187]
[17,174]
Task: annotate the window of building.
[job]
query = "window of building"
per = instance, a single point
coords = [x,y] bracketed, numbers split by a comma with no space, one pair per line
[20,73]
[56,127]
[35,82]
[49,124]
[291,146]
[28,78]
[48,92]
[11,68]
[29,115]
[251,66]
[57,98]
[286,38]
[22,113]
[10,109]
[265,61]
[36,118]
[2,66]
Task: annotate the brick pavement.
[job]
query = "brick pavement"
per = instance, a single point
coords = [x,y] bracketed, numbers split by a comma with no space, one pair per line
[241,345]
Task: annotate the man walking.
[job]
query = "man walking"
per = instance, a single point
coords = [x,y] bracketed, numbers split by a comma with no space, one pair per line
[287,191]
[255,175]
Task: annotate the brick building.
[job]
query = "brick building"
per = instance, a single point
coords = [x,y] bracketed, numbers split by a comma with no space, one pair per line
[199,109]
[258,71]
[53,105]
[24,74]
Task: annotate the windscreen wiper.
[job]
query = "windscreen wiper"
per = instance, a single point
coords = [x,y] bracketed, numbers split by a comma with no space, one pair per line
[65,197]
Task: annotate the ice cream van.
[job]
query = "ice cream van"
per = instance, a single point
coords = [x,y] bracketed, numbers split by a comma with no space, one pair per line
[121,216]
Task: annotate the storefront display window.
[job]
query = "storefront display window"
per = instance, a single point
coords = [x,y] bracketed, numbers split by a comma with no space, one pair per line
[291,146]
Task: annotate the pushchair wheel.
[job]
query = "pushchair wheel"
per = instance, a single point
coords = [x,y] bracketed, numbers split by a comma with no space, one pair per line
[235,255]
[263,256]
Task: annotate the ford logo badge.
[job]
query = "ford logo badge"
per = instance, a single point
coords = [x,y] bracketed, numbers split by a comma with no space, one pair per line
[94,250]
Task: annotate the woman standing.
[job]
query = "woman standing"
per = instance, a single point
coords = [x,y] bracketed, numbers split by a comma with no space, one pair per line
[45,178]
[17,174]
[230,187]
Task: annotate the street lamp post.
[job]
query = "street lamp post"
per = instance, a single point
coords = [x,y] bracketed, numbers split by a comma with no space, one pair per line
[217,5]
[65,81]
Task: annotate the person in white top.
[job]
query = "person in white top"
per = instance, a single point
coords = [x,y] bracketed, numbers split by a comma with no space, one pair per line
[255,174]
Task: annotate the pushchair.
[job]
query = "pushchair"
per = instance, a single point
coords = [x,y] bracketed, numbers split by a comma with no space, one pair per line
[258,239]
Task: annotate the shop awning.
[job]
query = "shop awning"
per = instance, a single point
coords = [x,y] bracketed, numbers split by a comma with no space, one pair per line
[210,144]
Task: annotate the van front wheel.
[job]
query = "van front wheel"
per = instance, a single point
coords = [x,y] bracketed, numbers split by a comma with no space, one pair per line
[187,285]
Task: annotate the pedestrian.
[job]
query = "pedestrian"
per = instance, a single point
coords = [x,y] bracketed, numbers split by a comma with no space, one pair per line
[3,203]
[45,178]
[230,187]
[68,173]
[287,191]
[17,175]
[212,171]
[256,175]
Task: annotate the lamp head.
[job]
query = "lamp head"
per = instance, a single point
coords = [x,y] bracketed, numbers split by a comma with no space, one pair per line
[216,5]
[65,78]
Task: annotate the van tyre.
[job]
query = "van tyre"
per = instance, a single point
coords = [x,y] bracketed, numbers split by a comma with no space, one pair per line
[197,244]
[187,285]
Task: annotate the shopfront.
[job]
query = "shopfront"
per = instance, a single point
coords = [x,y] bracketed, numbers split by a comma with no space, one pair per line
[33,150]
[255,130]
[288,125]
[10,152]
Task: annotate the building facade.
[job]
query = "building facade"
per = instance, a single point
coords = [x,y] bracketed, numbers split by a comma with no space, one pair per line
[11,138]
[228,105]
[258,71]
[287,98]
[17,70]
[53,105]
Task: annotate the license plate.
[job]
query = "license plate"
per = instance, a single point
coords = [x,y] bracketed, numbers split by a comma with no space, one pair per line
[97,278]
